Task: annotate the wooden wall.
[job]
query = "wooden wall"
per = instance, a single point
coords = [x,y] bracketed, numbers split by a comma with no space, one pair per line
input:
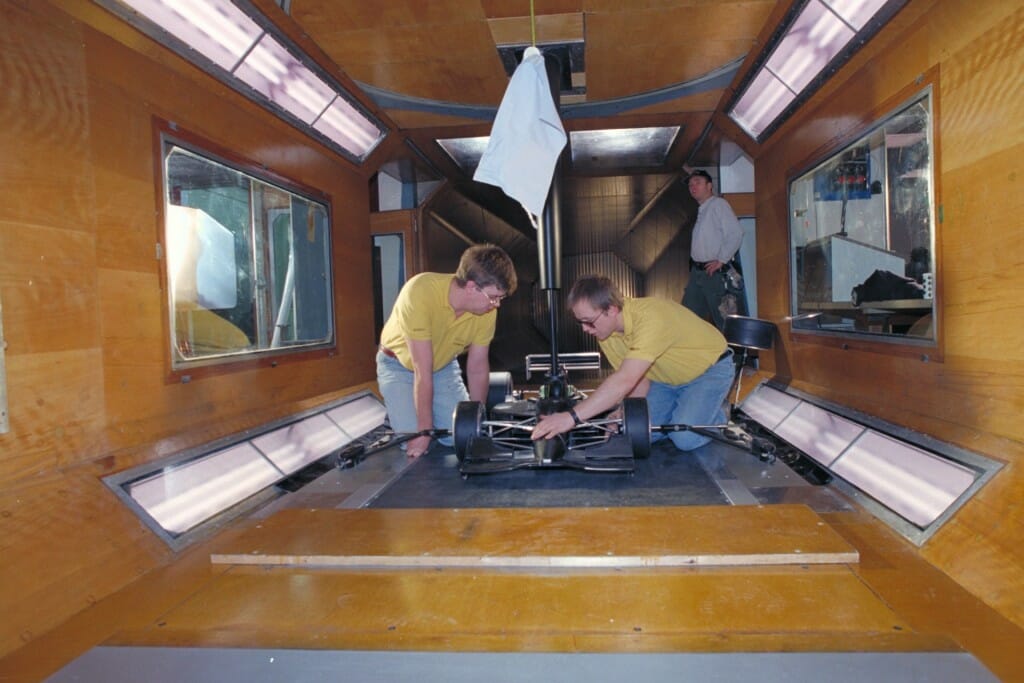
[83,319]
[974,395]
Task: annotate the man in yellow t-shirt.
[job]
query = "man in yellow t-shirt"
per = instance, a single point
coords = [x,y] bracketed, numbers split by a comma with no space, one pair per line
[659,350]
[436,318]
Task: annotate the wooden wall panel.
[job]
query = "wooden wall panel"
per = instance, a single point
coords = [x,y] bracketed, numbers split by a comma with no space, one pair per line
[973,396]
[87,364]
[42,119]
[49,281]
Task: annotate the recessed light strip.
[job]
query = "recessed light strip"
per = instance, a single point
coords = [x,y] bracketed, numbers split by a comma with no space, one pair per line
[253,57]
[814,39]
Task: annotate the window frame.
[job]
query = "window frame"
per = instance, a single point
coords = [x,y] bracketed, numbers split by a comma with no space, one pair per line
[166,135]
[926,350]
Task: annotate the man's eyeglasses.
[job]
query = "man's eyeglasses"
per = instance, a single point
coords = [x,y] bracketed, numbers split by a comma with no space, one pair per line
[590,323]
[495,300]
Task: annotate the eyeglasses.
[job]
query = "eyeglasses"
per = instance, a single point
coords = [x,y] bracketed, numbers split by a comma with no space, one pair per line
[590,323]
[495,300]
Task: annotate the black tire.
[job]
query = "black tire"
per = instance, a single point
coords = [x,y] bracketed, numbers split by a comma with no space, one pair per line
[636,425]
[466,425]
[499,386]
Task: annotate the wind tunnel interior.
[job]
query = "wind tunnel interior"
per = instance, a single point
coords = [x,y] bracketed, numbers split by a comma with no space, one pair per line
[634,229]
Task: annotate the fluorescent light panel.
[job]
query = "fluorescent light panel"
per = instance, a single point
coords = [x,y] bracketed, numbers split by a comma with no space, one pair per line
[219,31]
[764,100]
[914,484]
[229,38]
[818,433]
[294,446]
[857,13]
[768,406]
[814,38]
[358,417]
[274,73]
[181,496]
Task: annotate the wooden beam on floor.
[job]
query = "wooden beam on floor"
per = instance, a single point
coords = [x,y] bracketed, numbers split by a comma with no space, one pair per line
[540,538]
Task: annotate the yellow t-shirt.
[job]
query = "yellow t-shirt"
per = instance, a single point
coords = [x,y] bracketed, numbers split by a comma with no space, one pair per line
[679,345]
[422,312]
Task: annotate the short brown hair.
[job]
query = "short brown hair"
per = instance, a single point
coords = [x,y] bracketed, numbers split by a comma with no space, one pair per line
[487,264]
[597,290]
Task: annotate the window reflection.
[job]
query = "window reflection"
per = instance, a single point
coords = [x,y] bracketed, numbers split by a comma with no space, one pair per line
[248,263]
[861,233]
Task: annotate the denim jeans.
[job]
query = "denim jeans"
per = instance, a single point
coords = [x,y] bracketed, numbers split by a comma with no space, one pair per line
[396,386]
[701,402]
[704,295]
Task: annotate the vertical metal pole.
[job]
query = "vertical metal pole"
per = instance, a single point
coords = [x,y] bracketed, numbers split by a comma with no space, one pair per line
[549,233]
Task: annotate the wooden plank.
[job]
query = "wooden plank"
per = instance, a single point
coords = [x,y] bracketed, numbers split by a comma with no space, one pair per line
[730,608]
[567,538]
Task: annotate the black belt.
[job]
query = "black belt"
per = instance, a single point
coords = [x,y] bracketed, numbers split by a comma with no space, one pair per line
[704,264]
[387,352]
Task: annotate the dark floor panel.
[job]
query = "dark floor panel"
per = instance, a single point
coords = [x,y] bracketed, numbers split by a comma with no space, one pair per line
[668,477]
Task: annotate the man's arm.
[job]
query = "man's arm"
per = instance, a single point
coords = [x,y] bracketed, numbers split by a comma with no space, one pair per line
[625,381]
[478,372]
[730,230]
[641,388]
[422,352]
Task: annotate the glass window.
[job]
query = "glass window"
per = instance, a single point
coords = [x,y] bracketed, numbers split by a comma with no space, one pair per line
[248,263]
[862,233]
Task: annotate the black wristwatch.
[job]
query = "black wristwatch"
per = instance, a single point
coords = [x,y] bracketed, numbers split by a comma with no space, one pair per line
[575,418]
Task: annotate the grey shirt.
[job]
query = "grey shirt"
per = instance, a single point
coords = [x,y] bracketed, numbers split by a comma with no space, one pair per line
[717,235]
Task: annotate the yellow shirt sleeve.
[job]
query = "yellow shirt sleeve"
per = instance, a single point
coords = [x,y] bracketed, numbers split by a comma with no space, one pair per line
[679,345]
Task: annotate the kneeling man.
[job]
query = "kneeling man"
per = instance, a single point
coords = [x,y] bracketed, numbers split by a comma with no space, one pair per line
[436,318]
[660,350]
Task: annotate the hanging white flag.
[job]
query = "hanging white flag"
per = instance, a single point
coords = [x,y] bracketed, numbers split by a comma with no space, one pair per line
[526,138]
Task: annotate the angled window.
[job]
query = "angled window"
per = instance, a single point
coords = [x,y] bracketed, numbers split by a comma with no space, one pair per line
[248,262]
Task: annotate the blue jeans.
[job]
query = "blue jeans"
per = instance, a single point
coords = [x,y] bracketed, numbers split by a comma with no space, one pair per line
[698,403]
[704,294]
[396,386]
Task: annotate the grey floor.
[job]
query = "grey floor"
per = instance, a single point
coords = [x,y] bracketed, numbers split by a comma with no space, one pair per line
[220,665]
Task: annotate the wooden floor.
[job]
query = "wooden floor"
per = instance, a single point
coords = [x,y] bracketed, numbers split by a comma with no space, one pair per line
[371,579]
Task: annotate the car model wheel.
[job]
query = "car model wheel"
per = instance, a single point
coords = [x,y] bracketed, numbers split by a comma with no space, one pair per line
[636,423]
[466,425]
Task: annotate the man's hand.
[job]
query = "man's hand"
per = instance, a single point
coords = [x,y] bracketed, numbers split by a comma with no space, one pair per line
[414,448]
[713,267]
[552,425]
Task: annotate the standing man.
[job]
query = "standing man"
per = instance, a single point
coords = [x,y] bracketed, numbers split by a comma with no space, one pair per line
[436,318]
[715,289]
[658,349]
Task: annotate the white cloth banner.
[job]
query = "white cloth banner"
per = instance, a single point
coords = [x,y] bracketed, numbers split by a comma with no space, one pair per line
[526,138]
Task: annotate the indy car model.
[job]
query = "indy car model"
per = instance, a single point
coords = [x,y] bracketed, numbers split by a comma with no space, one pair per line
[497,438]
